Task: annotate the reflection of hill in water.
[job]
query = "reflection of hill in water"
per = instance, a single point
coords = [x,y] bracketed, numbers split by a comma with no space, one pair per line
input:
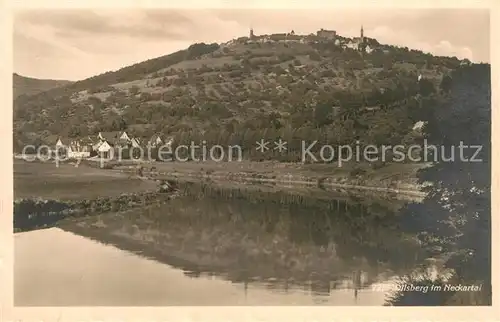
[276,238]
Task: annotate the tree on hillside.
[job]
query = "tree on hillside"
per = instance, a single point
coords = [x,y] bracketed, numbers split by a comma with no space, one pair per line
[323,114]
[454,220]
[446,83]
[314,56]
[426,87]
[274,119]
[197,50]
[134,90]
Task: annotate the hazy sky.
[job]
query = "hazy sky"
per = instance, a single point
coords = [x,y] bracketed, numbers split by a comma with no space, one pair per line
[76,44]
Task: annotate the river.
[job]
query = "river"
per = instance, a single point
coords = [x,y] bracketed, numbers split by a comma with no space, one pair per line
[215,246]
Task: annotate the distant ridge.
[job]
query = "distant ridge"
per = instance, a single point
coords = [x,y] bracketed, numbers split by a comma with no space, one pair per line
[30,86]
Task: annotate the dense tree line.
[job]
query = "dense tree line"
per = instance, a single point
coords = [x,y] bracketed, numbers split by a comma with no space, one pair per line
[454,221]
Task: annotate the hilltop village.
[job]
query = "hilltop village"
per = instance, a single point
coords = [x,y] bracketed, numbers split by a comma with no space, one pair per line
[360,43]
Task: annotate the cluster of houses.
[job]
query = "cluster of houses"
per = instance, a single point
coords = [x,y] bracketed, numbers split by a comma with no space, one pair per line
[356,43]
[105,144]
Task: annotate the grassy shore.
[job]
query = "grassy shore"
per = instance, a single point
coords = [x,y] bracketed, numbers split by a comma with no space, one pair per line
[45,193]
[66,182]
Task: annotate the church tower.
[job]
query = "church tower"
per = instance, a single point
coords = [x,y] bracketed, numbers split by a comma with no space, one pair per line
[251,33]
[361,43]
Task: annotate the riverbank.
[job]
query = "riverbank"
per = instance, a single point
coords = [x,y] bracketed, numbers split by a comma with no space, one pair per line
[73,181]
[45,194]
[30,214]
[392,178]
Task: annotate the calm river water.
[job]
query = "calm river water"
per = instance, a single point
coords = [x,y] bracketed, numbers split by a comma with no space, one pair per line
[215,246]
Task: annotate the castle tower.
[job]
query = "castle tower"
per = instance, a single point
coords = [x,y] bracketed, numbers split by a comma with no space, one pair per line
[251,33]
[361,43]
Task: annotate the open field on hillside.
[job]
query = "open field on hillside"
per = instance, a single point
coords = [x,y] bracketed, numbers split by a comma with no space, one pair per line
[67,182]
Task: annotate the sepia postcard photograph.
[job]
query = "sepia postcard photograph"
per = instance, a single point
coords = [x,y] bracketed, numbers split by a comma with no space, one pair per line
[245,156]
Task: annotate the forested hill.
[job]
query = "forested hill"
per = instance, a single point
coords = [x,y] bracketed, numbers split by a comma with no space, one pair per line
[273,86]
[30,86]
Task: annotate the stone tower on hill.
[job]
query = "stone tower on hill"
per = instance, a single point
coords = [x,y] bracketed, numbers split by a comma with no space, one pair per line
[361,41]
